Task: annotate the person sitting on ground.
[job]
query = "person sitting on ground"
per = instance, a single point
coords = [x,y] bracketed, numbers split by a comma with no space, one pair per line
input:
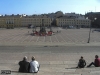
[81,63]
[34,66]
[24,65]
[96,62]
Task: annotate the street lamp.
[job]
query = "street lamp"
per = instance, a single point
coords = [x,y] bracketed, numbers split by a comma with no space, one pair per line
[95,19]
[90,30]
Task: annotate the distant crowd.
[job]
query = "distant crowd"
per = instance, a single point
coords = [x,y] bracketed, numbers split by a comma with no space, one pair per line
[33,66]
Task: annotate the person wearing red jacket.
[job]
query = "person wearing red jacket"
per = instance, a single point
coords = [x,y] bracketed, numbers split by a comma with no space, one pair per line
[96,62]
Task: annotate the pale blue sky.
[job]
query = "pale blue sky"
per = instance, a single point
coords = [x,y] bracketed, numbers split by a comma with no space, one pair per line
[48,6]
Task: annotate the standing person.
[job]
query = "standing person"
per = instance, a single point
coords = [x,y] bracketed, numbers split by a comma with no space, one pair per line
[96,62]
[24,65]
[34,66]
[81,63]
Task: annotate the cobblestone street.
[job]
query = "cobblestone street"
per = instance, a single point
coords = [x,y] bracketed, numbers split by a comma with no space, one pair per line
[65,36]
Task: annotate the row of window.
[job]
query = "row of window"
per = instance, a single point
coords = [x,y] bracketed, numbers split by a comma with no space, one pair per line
[77,24]
[37,24]
[83,23]
[74,22]
[34,22]
[71,20]
[37,19]
[23,25]
[27,19]
[66,20]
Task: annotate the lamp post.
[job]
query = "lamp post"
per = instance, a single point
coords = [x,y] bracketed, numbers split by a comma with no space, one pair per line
[90,30]
[21,21]
[95,19]
[13,23]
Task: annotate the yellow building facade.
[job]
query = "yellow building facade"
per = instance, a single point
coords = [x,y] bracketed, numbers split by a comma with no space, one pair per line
[73,22]
[2,22]
[35,21]
[10,21]
[23,21]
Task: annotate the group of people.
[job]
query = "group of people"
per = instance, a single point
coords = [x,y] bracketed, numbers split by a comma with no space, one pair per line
[33,66]
[29,67]
[82,62]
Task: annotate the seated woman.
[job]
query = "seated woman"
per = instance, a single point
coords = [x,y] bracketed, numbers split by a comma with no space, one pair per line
[96,62]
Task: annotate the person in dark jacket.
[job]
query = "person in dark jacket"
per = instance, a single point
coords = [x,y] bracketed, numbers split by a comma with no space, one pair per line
[24,65]
[81,63]
[96,62]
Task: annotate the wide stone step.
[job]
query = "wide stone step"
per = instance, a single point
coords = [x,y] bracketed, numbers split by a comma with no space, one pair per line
[60,73]
[45,74]
[41,62]
[52,68]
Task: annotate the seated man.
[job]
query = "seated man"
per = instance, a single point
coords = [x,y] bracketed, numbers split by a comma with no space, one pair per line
[81,63]
[96,62]
[24,65]
[34,66]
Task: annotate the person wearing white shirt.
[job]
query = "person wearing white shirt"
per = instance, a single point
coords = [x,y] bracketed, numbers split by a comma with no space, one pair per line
[34,66]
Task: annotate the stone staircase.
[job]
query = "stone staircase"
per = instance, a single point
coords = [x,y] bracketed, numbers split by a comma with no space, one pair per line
[53,68]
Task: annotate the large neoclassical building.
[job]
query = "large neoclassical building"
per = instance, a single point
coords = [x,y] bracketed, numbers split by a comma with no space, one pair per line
[75,22]
[22,21]
[11,21]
